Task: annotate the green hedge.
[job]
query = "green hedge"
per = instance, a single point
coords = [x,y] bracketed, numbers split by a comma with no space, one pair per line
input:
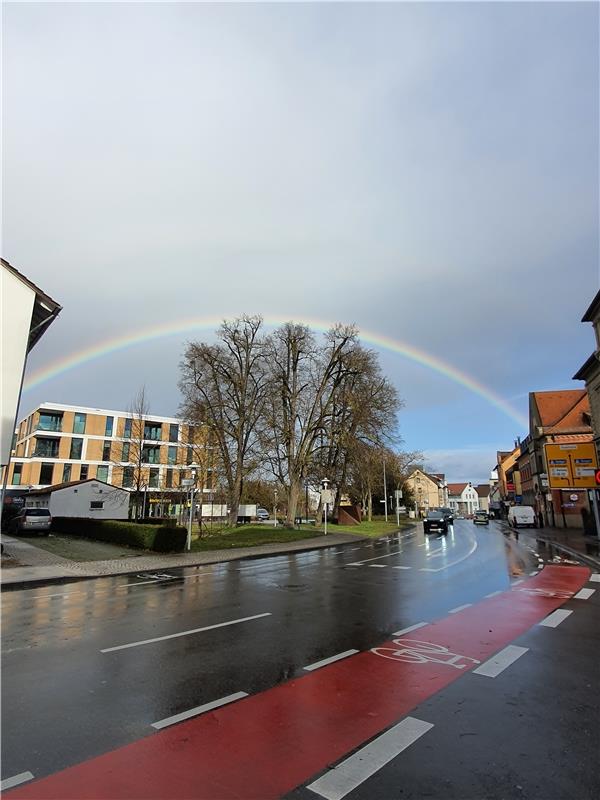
[160,538]
[171,522]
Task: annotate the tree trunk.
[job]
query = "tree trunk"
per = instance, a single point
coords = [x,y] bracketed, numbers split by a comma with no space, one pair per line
[293,496]
[370,506]
[234,500]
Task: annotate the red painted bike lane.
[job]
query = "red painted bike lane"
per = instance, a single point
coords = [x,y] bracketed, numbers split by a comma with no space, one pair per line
[264,746]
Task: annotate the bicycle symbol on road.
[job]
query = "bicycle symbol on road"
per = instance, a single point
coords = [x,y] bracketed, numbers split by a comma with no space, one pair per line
[412,651]
[562,594]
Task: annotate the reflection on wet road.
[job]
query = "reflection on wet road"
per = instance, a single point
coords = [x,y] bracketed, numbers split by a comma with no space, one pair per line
[216,631]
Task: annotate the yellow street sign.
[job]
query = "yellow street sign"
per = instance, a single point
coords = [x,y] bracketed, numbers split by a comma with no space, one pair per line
[571,465]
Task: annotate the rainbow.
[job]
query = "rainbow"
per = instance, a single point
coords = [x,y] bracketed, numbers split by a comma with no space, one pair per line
[185,326]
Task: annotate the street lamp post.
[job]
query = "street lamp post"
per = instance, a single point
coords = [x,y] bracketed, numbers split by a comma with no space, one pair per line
[188,547]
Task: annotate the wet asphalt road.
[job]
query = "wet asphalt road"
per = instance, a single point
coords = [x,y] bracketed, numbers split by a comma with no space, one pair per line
[65,701]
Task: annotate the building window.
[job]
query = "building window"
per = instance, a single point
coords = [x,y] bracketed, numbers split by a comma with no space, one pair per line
[96,504]
[127,428]
[109,426]
[190,455]
[153,479]
[49,421]
[172,455]
[16,476]
[79,423]
[46,472]
[102,474]
[153,431]
[83,473]
[173,432]
[66,473]
[169,479]
[46,448]
[127,477]
[76,448]
[106,451]
[125,452]
[151,455]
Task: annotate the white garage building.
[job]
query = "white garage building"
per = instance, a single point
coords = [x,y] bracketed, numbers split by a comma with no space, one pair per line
[91,499]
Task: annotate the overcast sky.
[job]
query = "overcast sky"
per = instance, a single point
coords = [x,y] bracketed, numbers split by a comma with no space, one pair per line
[427,171]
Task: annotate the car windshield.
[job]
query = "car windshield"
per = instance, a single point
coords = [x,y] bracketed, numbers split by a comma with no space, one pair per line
[435,515]
[37,512]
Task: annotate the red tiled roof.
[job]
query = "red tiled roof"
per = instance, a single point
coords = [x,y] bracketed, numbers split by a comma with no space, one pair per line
[562,410]
[456,488]
[483,490]
[573,437]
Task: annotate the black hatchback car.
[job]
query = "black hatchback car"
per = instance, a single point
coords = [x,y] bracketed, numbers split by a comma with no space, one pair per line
[435,522]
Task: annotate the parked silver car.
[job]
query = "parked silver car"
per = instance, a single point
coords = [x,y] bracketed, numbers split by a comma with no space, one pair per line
[32,520]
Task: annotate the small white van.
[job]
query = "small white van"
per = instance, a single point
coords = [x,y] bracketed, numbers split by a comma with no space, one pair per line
[521,517]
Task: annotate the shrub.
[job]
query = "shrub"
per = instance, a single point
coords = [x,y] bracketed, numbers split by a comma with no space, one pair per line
[160,538]
[171,522]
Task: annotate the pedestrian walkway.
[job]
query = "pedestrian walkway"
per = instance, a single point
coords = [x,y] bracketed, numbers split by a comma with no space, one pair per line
[566,542]
[35,565]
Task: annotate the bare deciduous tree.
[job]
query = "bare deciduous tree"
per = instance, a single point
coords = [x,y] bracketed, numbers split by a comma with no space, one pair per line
[224,387]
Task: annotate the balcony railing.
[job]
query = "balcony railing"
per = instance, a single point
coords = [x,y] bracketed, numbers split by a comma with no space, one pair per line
[55,426]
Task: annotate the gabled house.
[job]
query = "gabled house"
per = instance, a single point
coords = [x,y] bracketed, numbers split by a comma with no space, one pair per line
[428,490]
[463,498]
[560,435]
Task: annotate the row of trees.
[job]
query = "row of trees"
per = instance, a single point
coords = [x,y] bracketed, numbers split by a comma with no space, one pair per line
[293,408]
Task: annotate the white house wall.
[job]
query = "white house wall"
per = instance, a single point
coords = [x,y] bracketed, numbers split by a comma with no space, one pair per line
[75,501]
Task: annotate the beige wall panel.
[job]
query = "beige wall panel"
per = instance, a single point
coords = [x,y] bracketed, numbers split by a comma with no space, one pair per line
[64,449]
[95,425]
[94,450]
[67,421]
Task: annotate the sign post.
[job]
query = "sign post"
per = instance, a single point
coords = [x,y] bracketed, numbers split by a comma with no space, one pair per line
[326,499]
[398,497]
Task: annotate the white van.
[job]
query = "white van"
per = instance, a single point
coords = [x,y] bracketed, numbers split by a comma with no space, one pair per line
[521,517]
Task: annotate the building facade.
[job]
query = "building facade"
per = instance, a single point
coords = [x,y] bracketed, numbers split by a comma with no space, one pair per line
[59,443]
[91,499]
[463,498]
[590,372]
[428,489]
[562,459]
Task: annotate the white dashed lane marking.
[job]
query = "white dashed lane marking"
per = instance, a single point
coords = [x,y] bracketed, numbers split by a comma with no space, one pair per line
[554,619]
[194,712]
[410,628]
[595,577]
[184,633]
[494,666]
[8,783]
[336,783]
[330,660]
[493,594]
[584,594]
[460,608]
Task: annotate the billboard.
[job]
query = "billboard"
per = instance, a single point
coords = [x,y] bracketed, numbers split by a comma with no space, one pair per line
[572,465]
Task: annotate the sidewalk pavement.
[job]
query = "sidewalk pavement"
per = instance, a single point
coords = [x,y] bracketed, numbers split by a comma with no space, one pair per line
[567,542]
[36,566]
